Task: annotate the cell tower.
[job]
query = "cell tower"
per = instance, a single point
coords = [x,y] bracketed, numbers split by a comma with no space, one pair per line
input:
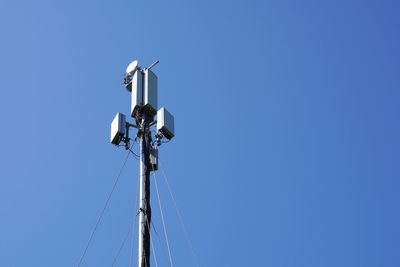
[142,84]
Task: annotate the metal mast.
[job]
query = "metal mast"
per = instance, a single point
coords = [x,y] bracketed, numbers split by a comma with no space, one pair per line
[143,87]
[144,204]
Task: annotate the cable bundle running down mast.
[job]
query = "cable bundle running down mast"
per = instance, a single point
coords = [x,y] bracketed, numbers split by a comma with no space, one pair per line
[142,84]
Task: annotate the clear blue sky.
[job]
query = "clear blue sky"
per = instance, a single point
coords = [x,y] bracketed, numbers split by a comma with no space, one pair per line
[287,130]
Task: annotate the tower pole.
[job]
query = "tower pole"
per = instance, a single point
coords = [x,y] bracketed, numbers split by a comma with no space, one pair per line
[142,84]
[144,206]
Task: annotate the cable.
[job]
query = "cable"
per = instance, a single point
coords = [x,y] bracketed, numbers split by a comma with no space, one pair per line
[104,208]
[161,244]
[131,226]
[152,244]
[179,215]
[134,153]
[123,242]
[162,218]
[134,225]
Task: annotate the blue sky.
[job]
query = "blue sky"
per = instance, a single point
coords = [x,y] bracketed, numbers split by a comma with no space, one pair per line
[287,133]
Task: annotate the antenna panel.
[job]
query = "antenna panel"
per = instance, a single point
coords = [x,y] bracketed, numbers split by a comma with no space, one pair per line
[137,93]
[118,128]
[165,123]
[150,91]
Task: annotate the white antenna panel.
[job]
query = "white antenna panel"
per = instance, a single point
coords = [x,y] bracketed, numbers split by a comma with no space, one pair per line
[118,128]
[137,93]
[165,123]
[150,91]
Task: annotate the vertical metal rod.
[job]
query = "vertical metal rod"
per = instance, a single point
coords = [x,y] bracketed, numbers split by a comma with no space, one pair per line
[144,206]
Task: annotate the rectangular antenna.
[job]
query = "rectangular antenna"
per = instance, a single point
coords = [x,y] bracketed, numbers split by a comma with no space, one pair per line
[150,91]
[118,128]
[137,93]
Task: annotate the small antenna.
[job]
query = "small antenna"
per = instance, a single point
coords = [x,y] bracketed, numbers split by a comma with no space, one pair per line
[152,65]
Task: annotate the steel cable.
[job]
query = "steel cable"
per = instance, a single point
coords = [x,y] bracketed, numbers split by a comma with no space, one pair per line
[134,225]
[165,252]
[179,215]
[162,218]
[123,242]
[104,208]
[152,245]
[131,226]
